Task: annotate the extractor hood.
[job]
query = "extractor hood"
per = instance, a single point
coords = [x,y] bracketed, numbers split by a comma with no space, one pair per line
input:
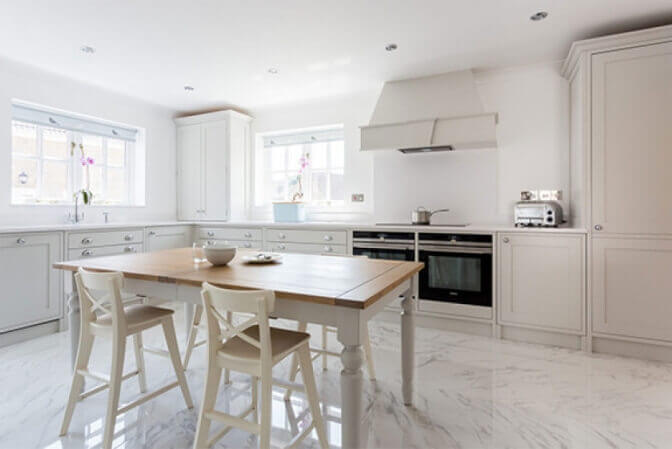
[436,113]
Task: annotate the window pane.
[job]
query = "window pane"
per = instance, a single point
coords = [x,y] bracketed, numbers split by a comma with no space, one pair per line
[54,181]
[319,186]
[337,181]
[294,153]
[116,152]
[24,138]
[24,173]
[54,143]
[277,158]
[116,185]
[279,187]
[337,154]
[93,147]
[318,155]
[95,181]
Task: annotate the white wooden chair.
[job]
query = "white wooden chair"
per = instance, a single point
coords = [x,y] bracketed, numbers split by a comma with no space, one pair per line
[103,315]
[252,347]
[193,334]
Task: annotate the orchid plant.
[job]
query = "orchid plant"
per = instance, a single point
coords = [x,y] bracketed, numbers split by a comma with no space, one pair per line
[86,161]
[304,162]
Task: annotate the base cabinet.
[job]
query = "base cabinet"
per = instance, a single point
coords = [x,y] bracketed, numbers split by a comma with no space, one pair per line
[632,281]
[168,237]
[32,290]
[541,281]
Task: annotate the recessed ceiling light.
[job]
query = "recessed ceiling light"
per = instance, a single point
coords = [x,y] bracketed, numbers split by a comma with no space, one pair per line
[541,15]
[273,71]
[188,88]
[391,47]
[88,50]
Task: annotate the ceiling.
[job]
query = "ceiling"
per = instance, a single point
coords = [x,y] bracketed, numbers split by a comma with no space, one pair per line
[224,48]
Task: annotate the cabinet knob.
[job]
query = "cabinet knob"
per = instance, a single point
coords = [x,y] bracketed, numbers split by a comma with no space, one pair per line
[248,234]
[128,237]
[129,249]
[598,227]
[281,236]
[505,240]
[248,245]
[151,233]
[211,234]
[281,247]
[20,241]
[328,249]
[86,241]
[328,238]
[87,252]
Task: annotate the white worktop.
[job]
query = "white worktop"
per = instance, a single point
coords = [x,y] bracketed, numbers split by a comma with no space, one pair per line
[472,228]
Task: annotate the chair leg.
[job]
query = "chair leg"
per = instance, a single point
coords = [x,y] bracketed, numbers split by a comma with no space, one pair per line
[193,333]
[171,342]
[294,368]
[140,362]
[118,352]
[266,404]
[324,347]
[367,353]
[227,374]
[311,392]
[255,398]
[82,362]
[214,376]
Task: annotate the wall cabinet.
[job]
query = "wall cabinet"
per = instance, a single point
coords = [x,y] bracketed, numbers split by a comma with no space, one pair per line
[541,281]
[206,146]
[168,237]
[32,289]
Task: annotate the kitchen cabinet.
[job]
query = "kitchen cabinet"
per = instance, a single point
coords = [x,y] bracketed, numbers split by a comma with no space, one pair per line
[541,281]
[306,248]
[104,243]
[632,138]
[632,281]
[207,145]
[168,237]
[305,241]
[32,290]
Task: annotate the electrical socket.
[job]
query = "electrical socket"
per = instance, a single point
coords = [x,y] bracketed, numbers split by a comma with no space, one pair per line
[357,198]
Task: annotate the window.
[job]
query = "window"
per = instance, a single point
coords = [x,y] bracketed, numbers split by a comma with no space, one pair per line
[55,155]
[306,166]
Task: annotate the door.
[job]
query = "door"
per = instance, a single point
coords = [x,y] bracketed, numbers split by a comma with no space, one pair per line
[215,192]
[632,140]
[541,281]
[632,282]
[168,237]
[31,287]
[189,173]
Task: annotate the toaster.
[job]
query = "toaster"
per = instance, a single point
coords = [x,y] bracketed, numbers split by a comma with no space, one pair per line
[538,213]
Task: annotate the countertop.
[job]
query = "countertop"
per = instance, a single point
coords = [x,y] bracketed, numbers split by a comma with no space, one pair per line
[471,228]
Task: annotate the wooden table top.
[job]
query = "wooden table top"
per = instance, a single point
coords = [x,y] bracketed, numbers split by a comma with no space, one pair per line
[339,280]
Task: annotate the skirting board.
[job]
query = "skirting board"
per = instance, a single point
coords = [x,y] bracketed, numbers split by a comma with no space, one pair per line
[27,333]
[632,349]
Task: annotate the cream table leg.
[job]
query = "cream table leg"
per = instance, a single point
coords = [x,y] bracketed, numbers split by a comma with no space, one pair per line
[407,345]
[73,321]
[352,358]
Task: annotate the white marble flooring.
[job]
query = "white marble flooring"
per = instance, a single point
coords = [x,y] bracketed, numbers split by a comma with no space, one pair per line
[471,392]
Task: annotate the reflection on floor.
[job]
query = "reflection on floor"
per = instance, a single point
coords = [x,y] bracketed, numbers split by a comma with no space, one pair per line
[472,392]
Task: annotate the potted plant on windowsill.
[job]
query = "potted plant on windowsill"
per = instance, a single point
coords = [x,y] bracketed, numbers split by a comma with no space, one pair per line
[85,193]
[293,211]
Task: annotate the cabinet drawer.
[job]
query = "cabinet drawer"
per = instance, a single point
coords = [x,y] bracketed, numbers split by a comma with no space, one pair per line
[293,235]
[81,253]
[248,244]
[229,233]
[306,248]
[107,238]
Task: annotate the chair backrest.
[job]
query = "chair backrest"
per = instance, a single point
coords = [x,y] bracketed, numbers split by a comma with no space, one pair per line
[259,303]
[100,293]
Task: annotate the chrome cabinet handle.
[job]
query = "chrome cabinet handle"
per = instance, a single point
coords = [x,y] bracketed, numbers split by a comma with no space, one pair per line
[151,233]
[211,234]
[87,252]
[209,243]
[248,234]
[598,227]
[129,249]
[248,245]
[128,237]
[328,249]
[328,238]
[20,241]
[86,241]
[281,247]
[505,240]
[281,236]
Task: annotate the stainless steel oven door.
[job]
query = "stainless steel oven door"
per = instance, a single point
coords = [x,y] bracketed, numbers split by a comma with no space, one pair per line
[389,251]
[456,274]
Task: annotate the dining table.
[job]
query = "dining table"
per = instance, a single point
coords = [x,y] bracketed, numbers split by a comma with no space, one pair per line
[343,292]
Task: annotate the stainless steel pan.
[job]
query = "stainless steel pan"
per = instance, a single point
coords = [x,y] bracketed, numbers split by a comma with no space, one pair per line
[422,216]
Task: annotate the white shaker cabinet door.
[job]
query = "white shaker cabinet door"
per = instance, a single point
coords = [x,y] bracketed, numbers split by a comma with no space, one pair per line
[31,287]
[632,287]
[632,140]
[542,281]
[189,172]
[215,186]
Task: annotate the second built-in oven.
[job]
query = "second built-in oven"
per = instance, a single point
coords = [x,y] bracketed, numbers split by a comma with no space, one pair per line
[458,268]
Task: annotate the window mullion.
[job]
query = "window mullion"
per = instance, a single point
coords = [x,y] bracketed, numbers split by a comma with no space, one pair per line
[40,162]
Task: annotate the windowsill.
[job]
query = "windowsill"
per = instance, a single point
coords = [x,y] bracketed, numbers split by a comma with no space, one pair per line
[70,205]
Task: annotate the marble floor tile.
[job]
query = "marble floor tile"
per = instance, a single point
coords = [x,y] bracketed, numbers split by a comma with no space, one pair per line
[471,393]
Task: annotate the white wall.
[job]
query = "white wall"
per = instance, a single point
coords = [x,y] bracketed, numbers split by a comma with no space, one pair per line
[478,186]
[21,82]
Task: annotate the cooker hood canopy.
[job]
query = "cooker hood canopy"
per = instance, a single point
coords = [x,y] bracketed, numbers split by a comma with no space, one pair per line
[435,113]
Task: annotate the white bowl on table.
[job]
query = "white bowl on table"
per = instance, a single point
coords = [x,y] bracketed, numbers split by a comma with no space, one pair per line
[219,255]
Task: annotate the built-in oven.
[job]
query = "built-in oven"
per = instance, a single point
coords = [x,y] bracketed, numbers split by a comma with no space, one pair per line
[458,268]
[384,245]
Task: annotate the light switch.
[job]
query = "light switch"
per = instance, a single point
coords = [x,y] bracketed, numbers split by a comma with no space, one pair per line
[357,198]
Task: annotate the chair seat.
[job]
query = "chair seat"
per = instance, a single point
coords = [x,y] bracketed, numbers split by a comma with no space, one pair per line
[138,317]
[283,342]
